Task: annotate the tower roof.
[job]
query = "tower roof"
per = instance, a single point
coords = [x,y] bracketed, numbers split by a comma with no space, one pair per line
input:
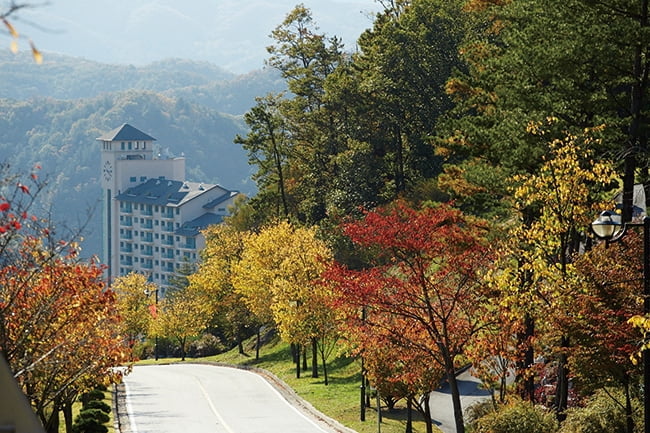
[126,132]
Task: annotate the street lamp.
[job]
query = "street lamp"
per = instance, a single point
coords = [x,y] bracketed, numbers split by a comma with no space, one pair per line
[609,227]
[147,293]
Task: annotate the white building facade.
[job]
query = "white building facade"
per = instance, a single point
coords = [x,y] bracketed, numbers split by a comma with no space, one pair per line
[152,216]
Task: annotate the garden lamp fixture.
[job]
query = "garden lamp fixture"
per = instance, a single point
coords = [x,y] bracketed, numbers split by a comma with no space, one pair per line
[608,226]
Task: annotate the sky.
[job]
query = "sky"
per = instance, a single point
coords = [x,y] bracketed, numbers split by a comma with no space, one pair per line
[232,34]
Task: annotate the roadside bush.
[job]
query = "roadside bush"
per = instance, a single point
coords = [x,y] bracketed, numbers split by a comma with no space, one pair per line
[90,421]
[97,404]
[603,413]
[93,415]
[479,410]
[95,394]
[206,345]
[516,416]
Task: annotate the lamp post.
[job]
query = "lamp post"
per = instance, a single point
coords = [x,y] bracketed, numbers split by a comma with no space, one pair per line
[609,227]
[147,293]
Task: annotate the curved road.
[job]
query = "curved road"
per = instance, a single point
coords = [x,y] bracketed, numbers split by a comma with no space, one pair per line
[194,398]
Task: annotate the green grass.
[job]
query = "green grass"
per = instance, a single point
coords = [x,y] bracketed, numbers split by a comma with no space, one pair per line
[338,400]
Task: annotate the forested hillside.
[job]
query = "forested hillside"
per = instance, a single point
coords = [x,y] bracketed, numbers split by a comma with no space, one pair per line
[64,77]
[51,114]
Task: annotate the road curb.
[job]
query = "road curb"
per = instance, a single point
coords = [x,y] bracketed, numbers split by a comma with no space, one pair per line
[120,414]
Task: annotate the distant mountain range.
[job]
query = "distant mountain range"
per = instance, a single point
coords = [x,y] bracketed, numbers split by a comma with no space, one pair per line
[51,114]
[232,34]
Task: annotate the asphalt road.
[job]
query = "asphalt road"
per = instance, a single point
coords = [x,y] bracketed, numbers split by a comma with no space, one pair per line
[442,408]
[193,398]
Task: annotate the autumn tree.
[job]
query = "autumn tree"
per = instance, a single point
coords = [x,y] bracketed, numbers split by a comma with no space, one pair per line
[278,278]
[180,316]
[132,291]
[536,271]
[61,335]
[425,279]
[213,283]
[608,295]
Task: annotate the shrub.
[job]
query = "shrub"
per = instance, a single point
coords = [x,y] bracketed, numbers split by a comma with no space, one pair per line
[97,404]
[516,416]
[90,421]
[93,415]
[94,394]
[603,413]
[206,345]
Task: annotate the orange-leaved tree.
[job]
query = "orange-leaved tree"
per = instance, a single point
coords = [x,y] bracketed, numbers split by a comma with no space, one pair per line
[424,287]
[61,336]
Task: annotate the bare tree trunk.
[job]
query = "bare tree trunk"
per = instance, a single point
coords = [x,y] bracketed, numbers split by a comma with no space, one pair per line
[409,415]
[322,353]
[314,357]
[67,417]
[427,412]
[562,390]
[455,398]
[297,346]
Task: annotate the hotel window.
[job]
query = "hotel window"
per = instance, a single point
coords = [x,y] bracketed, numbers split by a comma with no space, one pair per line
[143,178]
[122,146]
[130,145]
[132,179]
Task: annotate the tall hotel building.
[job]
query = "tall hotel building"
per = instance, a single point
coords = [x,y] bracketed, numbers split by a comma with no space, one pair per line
[152,216]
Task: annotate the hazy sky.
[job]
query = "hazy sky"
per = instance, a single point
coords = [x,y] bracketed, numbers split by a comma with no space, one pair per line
[230,33]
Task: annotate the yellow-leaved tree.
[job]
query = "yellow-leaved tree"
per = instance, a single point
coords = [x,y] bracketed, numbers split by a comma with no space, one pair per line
[278,276]
[180,316]
[536,278]
[213,283]
[134,304]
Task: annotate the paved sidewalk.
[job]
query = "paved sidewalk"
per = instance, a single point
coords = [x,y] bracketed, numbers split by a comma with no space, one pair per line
[442,408]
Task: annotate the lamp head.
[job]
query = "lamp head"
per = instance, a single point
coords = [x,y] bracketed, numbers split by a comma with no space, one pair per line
[607,225]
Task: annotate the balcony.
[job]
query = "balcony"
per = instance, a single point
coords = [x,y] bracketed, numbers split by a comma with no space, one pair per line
[147,225]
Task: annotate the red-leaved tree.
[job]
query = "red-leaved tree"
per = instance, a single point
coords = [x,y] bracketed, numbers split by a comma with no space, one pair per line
[422,291]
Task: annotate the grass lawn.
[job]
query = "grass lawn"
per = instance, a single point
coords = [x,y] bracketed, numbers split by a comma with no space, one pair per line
[338,400]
